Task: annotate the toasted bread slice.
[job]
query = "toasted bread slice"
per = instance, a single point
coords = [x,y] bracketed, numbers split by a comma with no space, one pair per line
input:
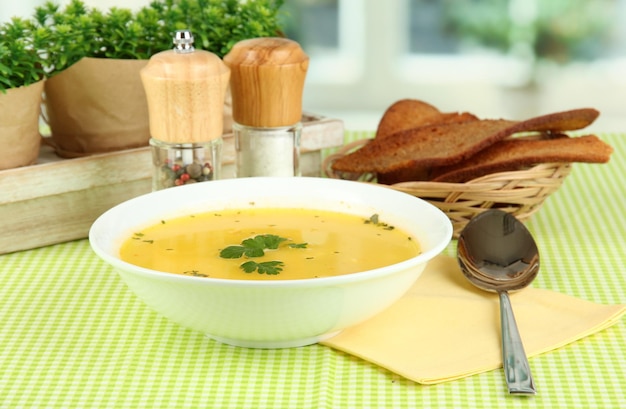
[449,143]
[405,114]
[561,121]
[436,145]
[412,113]
[408,174]
[518,153]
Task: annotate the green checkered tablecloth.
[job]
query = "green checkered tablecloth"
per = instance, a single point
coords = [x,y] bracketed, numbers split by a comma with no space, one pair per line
[73,336]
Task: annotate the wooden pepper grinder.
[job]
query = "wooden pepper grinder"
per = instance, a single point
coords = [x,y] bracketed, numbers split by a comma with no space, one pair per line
[186,89]
[267,82]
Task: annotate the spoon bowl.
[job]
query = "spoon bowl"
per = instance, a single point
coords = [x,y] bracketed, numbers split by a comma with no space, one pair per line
[497,253]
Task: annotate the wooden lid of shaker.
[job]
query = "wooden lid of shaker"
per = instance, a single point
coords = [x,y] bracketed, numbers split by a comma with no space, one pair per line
[267,81]
[186,92]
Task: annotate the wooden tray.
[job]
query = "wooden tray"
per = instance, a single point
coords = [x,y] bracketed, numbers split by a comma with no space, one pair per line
[57,199]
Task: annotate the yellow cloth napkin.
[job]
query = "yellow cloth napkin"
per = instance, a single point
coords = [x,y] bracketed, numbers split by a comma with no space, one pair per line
[444,328]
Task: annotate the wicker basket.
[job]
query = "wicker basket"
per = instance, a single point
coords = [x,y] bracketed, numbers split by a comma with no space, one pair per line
[520,192]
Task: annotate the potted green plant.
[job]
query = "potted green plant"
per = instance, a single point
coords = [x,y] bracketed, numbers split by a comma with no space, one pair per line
[94,99]
[22,72]
[96,58]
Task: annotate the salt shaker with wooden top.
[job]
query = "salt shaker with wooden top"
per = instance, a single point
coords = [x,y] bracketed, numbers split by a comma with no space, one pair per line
[267,82]
[186,89]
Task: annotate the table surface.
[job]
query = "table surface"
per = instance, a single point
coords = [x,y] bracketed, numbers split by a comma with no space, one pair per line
[72,334]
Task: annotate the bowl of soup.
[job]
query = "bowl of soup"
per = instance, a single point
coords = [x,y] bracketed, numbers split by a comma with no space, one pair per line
[270,262]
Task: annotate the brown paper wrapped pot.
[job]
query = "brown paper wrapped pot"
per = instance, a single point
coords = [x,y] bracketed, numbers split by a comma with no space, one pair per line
[20,109]
[97,105]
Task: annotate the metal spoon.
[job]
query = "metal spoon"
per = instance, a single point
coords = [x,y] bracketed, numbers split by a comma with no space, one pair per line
[497,253]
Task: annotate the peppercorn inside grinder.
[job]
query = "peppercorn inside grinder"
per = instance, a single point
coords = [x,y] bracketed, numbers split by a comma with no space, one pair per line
[185,89]
[267,82]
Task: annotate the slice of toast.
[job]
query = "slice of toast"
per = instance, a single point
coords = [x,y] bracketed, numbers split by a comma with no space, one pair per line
[412,113]
[449,143]
[560,121]
[405,114]
[518,153]
[435,145]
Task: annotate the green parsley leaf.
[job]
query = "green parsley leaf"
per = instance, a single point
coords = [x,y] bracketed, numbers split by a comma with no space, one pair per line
[266,267]
[298,245]
[254,252]
[194,273]
[270,267]
[233,252]
[271,241]
[249,266]
[374,219]
[254,247]
[256,242]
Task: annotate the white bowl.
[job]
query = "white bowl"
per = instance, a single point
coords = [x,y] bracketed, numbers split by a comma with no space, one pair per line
[272,314]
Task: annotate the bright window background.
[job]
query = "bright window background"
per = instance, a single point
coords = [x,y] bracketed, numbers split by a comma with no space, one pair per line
[495,58]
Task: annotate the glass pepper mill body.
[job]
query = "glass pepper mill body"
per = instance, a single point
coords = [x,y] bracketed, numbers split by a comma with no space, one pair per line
[184,163]
[186,89]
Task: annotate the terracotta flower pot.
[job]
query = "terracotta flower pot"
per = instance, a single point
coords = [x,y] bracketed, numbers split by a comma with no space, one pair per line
[97,105]
[20,109]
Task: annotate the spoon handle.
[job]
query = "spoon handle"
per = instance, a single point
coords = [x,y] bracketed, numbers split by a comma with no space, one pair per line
[516,368]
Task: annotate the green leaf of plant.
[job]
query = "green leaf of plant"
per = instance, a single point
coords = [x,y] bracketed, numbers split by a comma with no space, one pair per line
[254,247]
[298,245]
[249,266]
[233,252]
[266,267]
[254,252]
[373,219]
[271,241]
[257,242]
[270,267]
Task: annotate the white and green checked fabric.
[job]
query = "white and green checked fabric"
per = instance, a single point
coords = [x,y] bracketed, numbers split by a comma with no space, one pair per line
[73,336]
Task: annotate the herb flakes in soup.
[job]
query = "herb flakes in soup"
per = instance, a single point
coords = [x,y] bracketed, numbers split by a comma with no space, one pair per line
[268,244]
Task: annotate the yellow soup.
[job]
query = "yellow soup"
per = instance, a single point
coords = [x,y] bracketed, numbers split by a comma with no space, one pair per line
[262,244]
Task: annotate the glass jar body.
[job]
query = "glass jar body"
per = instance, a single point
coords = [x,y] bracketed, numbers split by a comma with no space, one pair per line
[267,151]
[176,164]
